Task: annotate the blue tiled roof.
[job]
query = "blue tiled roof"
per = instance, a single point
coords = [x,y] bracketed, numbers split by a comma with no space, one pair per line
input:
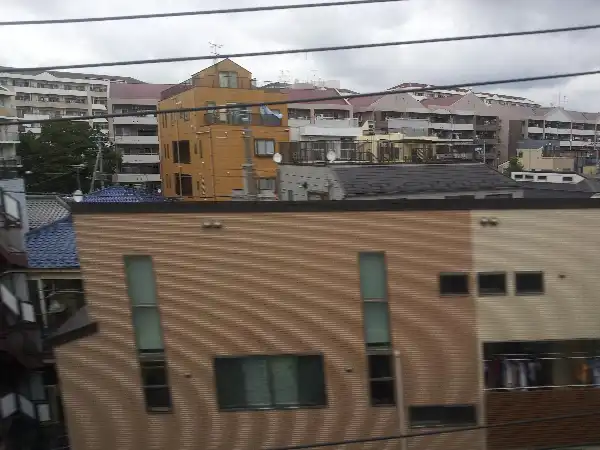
[123,194]
[52,246]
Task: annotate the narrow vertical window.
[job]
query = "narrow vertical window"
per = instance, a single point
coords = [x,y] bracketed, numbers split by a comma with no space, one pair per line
[376,319]
[141,289]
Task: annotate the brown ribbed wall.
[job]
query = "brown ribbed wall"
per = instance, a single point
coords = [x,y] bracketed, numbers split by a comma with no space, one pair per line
[266,284]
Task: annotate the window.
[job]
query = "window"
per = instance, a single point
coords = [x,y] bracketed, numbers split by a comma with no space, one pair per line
[542,177]
[141,288]
[454,284]
[264,147]
[228,80]
[567,178]
[181,152]
[183,185]
[155,383]
[529,283]
[442,416]
[529,177]
[266,382]
[373,288]
[266,184]
[381,379]
[290,195]
[491,283]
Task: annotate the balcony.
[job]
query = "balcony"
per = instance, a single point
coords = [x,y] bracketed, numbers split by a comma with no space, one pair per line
[136,140]
[140,159]
[400,124]
[241,119]
[143,120]
[136,178]
[316,152]
[8,137]
[487,125]
[535,130]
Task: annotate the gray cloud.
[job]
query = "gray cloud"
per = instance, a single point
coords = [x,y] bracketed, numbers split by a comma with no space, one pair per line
[373,69]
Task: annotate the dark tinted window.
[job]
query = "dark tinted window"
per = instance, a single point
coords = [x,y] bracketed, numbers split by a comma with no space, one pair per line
[491,283]
[529,282]
[454,284]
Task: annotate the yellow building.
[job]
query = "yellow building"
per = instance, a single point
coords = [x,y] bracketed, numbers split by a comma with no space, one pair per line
[207,162]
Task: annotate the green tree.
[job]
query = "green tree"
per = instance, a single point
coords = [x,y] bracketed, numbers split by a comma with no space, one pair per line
[52,159]
[514,165]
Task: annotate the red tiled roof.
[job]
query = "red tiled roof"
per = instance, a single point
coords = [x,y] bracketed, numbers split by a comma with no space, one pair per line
[307,94]
[442,101]
[364,101]
[136,91]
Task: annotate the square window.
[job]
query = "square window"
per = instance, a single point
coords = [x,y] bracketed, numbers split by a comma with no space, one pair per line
[158,398]
[454,284]
[491,283]
[529,283]
[382,393]
[264,147]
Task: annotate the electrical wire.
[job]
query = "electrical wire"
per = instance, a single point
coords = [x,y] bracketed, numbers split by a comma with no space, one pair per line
[439,432]
[309,50]
[194,13]
[311,100]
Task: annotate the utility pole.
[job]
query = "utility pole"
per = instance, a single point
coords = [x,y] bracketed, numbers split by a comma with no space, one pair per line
[248,167]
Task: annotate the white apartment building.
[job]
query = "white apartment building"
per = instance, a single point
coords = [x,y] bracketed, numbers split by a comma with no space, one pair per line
[9,135]
[330,122]
[136,138]
[52,94]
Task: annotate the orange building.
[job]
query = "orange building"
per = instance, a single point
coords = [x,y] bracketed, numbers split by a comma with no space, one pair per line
[202,153]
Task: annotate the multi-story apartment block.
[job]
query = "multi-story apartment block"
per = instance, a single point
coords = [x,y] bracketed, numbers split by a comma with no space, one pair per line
[420,319]
[328,120]
[575,132]
[25,405]
[9,134]
[203,153]
[51,94]
[136,138]
[468,125]
[487,98]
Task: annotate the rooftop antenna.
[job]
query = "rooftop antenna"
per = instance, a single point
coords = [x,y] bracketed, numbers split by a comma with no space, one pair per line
[214,50]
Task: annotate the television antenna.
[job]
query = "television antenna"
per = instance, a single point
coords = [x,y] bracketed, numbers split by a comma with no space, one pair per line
[214,50]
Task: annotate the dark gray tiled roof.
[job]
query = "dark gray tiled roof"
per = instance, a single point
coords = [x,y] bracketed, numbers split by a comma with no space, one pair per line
[398,179]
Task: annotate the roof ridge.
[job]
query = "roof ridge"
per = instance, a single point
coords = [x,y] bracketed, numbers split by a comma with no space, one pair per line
[48,225]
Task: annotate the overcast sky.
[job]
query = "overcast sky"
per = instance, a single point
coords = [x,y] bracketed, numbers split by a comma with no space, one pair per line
[360,70]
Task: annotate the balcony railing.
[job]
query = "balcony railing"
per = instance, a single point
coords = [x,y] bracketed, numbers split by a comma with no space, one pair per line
[236,118]
[306,152]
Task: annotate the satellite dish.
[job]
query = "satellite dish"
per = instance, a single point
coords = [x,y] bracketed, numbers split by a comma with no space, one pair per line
[277,158]
[331,156]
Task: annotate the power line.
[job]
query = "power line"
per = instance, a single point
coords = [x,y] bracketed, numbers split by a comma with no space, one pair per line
[309,50]
[194,13]
[438,432]
[311,100]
